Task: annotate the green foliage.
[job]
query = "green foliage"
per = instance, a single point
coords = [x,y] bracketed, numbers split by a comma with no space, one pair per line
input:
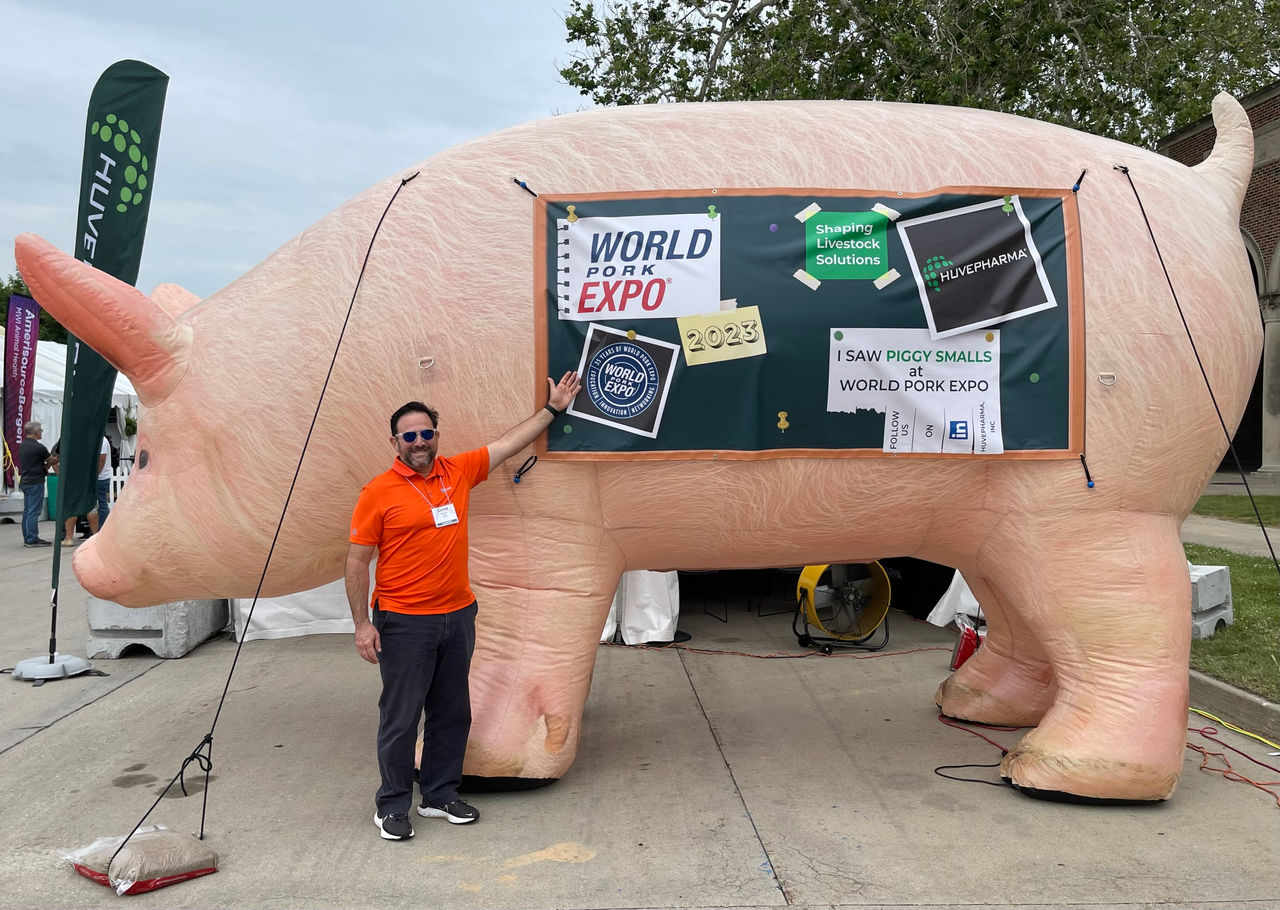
[1238,508]
[1243,654]
[1132,71]
[50,329]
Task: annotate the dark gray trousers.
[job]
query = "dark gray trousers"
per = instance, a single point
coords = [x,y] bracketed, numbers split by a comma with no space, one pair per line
[425,663]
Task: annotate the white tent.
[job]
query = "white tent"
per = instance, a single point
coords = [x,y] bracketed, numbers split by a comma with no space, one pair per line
[46,404]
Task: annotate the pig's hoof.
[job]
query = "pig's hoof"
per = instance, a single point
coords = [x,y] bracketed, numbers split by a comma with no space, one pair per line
[1070,778]
[532,754]
[1006,706]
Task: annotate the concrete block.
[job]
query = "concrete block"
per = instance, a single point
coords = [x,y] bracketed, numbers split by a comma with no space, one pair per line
[1211,605]
[1210,587]
[1205,624]
[168,630]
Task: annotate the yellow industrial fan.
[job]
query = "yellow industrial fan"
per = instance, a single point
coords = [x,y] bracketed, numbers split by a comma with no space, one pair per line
[847,610]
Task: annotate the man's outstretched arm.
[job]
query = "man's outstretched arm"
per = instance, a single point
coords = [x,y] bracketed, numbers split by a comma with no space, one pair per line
[529,429]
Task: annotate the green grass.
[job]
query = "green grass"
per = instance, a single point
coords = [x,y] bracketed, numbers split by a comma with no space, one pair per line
[1244,653]
[1238,508]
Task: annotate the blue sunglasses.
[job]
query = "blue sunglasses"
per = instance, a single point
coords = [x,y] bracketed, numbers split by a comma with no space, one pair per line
[411,436]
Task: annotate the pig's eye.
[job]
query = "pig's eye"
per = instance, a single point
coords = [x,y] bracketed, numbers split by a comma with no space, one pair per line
[144,458]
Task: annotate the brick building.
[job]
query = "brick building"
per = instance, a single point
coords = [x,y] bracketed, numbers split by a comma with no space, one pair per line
[1257,441]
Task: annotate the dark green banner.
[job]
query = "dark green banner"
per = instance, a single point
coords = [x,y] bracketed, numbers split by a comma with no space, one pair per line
[753,323]
[122,135]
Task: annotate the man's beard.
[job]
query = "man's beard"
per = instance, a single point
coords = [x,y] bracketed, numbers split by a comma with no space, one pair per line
[419,459]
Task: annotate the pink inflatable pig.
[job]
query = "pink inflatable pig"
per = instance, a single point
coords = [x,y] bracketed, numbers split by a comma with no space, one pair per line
[1086,590]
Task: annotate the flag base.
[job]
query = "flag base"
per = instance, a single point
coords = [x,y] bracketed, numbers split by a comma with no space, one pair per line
[38,669]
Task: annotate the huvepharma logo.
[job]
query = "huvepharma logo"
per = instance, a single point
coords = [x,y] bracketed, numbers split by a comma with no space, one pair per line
[933,266]
[122,189]
[115,133]
[938,269]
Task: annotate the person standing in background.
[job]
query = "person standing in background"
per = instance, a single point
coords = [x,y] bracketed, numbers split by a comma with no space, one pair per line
[34,462]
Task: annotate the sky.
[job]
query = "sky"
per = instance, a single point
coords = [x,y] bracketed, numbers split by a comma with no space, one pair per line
[276,113]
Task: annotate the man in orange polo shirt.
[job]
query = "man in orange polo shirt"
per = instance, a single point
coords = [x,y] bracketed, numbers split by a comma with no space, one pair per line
[423,632]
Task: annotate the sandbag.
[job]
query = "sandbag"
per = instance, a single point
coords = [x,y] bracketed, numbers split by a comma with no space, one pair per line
[154,857]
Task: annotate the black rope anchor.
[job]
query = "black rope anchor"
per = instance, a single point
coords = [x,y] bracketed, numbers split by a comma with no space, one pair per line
[202,755]
[1231,446]
[525,468]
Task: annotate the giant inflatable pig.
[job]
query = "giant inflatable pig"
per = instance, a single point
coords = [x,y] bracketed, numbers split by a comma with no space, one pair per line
[1086,587]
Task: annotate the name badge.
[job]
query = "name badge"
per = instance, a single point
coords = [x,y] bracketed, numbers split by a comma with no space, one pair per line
[444,515]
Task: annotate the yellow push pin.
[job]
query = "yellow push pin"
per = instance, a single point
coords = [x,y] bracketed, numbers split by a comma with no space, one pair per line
[782,421]
[573,213]
[631,334]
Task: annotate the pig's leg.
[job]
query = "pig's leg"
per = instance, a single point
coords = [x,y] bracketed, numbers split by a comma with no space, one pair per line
[1009,680]
[543,593]
[1112,617]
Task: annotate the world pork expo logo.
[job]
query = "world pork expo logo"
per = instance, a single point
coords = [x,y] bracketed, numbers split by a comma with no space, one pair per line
[622,380]
[626,378]
[637,266]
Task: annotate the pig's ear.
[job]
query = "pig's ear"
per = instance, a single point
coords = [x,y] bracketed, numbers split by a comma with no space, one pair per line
[126,327]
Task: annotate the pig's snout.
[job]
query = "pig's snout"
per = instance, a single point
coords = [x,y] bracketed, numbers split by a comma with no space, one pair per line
[97,579]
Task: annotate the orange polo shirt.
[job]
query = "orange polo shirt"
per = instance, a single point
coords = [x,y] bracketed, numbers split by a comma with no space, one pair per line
[421,568]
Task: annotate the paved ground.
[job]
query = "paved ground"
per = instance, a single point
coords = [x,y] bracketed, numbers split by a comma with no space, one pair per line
[703,780]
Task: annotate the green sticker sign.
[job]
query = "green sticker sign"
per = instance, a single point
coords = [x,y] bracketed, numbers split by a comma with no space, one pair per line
[846,245]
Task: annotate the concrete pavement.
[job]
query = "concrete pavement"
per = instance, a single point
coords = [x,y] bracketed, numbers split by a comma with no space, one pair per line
[703,780]
[1235,536]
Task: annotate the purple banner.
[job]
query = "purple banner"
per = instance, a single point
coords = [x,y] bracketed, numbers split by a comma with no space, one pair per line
[21,334]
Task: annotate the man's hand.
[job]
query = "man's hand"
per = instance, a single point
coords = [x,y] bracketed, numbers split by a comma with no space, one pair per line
[368,642]
[561,394]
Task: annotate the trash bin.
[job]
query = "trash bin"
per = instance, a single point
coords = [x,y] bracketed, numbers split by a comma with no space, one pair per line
[51,496]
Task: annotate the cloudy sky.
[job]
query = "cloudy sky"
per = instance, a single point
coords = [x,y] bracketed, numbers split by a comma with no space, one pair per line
[277,112]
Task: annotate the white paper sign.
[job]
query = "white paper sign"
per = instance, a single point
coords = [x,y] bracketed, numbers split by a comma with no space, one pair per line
[937,395]
[638,267]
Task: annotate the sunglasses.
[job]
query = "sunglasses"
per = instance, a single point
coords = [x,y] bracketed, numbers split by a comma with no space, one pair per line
[411,436]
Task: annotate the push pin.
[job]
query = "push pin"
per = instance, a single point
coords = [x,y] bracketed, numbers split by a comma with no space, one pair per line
[631,334]
[782,421]
[573,213]
[1007,208]
[711,212]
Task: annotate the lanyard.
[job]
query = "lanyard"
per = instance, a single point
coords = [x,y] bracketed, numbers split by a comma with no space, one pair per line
[448,501]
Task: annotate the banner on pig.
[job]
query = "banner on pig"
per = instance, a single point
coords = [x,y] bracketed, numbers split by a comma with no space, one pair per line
[22,332]
[117,176]
[762,323]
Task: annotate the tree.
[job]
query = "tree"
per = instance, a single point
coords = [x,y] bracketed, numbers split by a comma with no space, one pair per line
[50,328]
[1132,71]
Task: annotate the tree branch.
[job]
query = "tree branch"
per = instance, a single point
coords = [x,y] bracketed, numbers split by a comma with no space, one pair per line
[727,31]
